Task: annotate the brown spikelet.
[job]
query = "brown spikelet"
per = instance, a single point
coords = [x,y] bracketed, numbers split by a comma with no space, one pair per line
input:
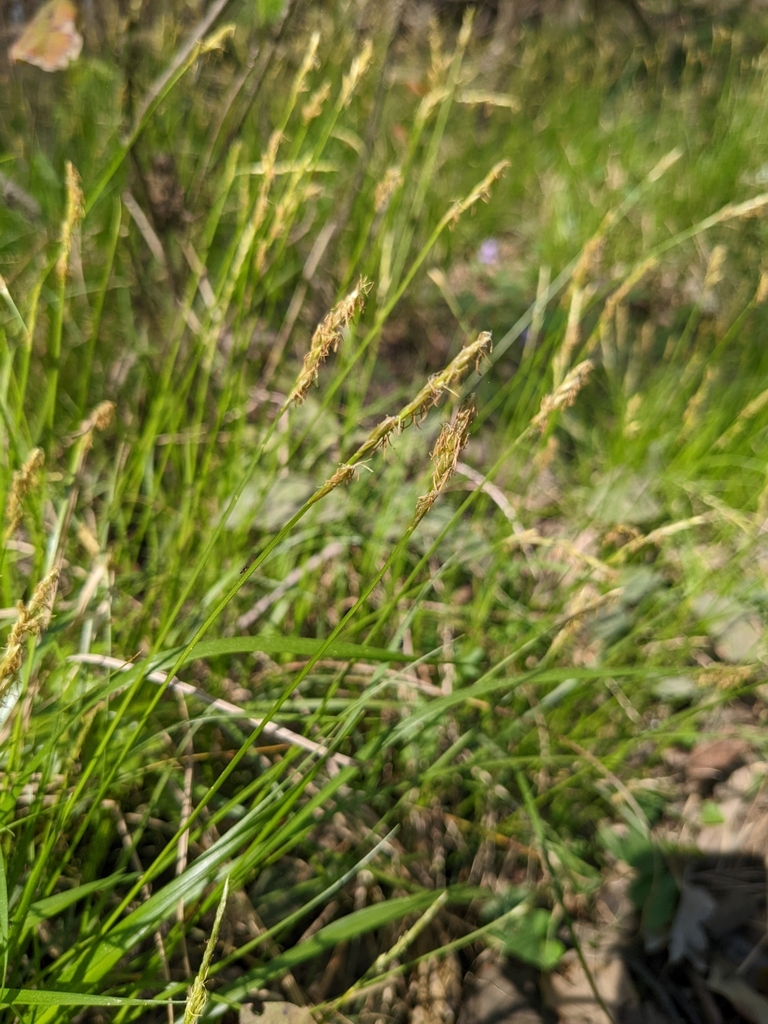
[429,395]
[314,105]
[23,480]
[327,337]
[102,415]
[393,178]
[342,476]
[445,455]
[564,396]
[480,191]
[357,69]
[72,217]
[30,622]
[714,274]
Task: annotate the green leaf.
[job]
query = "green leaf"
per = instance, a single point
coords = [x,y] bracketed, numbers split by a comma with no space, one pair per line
[52,905]
[294,645]
[97,963]
[527,938]
[346,928]
[33,997]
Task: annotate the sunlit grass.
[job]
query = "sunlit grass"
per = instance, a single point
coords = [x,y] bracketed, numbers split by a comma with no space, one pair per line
[235,507]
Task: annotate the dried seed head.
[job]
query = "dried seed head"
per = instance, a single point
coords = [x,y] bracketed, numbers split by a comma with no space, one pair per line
[564,396]
[23,481]
[327,337]
[357,69]
[102,415]
[72,217]
[392,180]
[480,191]
[445,455]
[714,274]
[314,105]
[439,383]
[30,621]
[439,62]
[44,592]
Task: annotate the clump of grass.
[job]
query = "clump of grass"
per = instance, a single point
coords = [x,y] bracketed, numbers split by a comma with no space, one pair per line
[458,652]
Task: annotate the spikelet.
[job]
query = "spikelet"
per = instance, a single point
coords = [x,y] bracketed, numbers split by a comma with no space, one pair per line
[314,105]
[327,337]
[416,409]
[429,395]
[198,994]
[694,409]
[572,338]
[73,215]
[480,191]
[102,416]
[439,62]
[563,396]
[357,69]
[30,621]
[390,182]
[23,480]
[714,274]
[99,419]
[445,455]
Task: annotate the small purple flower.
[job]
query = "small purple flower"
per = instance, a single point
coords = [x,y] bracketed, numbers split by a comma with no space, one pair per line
[488,252]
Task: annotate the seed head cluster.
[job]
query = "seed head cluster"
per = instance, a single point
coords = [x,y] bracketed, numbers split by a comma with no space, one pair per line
[564,396]
[327,337]
[23,481]
[30,621]
[445,455]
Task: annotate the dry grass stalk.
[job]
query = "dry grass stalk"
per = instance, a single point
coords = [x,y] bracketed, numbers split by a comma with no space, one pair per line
[30,622]
[23,481]
[327,337]
[563,396]
[445,455]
